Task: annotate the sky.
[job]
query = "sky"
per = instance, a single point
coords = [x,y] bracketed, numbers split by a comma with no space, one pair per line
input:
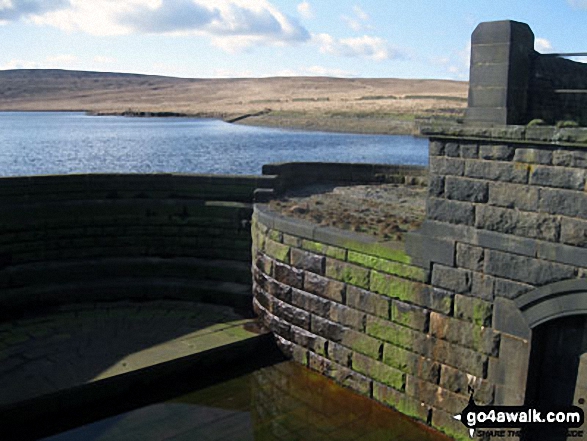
[261,38]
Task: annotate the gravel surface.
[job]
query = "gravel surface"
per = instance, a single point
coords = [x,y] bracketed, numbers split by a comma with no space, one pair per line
[386,211]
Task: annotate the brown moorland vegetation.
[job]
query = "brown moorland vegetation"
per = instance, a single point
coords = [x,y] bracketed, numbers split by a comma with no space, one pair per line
[371,105]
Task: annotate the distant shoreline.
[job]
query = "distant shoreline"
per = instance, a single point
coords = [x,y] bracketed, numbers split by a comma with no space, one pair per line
[405,125]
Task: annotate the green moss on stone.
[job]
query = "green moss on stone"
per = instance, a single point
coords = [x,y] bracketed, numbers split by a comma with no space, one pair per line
[277,250]
[327,250]
[379,249]
[380,372]
[351,274]
[361,343]
[388,266]
[394,287]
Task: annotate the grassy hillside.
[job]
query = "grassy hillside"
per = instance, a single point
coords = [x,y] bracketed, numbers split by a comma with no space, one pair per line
[342,104]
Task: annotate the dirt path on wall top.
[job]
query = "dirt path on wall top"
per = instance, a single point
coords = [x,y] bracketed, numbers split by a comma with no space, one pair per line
[386,211]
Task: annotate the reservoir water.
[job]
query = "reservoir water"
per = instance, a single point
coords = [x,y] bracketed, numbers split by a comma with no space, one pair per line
[39,143]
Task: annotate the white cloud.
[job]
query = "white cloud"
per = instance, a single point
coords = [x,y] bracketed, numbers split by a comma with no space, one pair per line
[229,23]
[305,10]
[542,44]
[11,10]
[362,15]
[578,4]
[375,48]
[359,21]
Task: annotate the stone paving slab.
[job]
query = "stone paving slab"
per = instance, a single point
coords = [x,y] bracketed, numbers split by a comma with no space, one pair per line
[84,343]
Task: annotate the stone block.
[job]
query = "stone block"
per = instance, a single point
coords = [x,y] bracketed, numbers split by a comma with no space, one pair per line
[311,303]
[324,287]
[288,275]
[457,280]
[574,232]
[441,301]
[327,250]
[507,221]
[566,202]
[397,335]
[348,273]
[483,286]
[522,197]
[496,152]
[292,241]
[409,315]
[411,363]
[463,359]
[400,401]
[277,250]
[463,189]
[436,148]
[469,257]
[378,371]
[436,396]
[570,158]
[436,186]
[307,261]
[291,314]
[469,151]
[389,266]
[353,380]
[396,287]
[327,329]
[441,165]
[264,264]
[473,310]
[536,272]
[367,301]
[348,317]
[307,340]
[452,149]
[560,177]
[278,290]
[497,171]
[459,382]
[472,336]
[450,211]
[364,344]
[534,156]
[339,354]
[510,289]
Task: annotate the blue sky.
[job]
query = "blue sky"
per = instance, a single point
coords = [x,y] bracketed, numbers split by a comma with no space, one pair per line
[258,38]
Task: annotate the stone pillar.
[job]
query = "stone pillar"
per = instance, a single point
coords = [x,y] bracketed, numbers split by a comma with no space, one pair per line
[501,53]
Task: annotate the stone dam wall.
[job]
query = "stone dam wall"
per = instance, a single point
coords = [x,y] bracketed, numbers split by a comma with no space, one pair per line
[107,237]
[414,325]
[84,238]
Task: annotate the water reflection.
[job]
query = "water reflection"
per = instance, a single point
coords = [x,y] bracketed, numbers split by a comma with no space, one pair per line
[284,402]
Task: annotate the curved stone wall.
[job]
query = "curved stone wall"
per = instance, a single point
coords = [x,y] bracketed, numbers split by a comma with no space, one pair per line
[85,238]
[359,312]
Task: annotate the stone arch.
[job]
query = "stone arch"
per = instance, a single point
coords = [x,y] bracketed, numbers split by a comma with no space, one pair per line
[517,320]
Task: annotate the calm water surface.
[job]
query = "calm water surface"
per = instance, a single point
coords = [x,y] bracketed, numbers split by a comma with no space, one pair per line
[284,402]
[35,143]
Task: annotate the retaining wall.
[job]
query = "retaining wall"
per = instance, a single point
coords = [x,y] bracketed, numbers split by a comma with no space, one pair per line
[416,324]
[110,237]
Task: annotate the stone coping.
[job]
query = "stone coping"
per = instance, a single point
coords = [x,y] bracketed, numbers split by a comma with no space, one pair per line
[568,136]
[329,235]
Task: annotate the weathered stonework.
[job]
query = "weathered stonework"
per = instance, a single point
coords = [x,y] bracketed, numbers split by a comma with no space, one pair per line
[416,325]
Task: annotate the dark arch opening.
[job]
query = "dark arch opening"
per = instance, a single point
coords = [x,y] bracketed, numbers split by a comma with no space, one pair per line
[557,346]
